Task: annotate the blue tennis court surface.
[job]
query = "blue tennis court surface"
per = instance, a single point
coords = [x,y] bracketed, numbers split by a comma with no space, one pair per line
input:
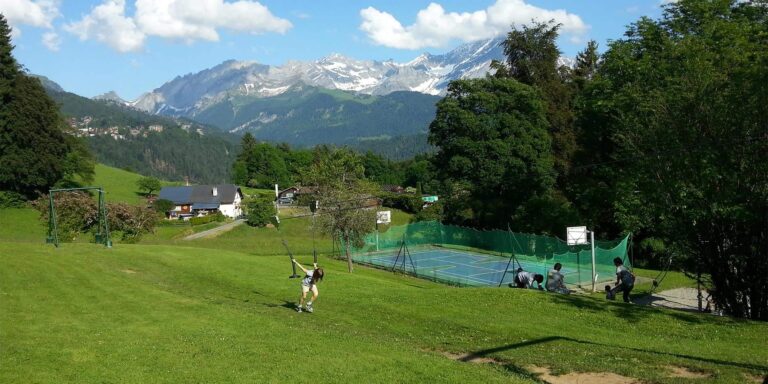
[458,266]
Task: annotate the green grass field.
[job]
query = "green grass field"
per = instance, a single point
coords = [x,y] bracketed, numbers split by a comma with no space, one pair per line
[222,310]
[158,313]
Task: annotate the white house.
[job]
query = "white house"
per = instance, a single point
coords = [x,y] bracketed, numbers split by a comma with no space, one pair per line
[200,200]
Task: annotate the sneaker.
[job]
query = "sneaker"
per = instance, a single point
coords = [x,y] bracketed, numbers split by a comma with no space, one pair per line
[298,309]
[309,308]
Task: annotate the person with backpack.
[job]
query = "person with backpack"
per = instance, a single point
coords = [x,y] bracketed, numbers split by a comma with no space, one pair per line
[309,283]
[555,280]
[625,281]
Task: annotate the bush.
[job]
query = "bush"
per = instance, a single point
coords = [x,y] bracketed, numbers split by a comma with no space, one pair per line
[217,217]
[432,213]
[404,202]
[9,199]
[132,221]
[163,205]
[259,212]
[78,213]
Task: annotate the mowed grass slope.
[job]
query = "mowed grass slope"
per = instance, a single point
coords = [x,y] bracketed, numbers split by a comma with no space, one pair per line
[158,313]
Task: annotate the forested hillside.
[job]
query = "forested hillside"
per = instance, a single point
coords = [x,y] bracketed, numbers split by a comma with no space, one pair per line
[307,116]
[123,137]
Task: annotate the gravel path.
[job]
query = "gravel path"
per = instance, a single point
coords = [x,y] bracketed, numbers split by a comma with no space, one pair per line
[215,231]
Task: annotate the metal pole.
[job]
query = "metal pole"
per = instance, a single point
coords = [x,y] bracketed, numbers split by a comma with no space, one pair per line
[592,234]
[314,249]
[377,235]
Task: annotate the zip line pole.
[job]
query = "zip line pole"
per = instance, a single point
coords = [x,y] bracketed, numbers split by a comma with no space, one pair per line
[592,240]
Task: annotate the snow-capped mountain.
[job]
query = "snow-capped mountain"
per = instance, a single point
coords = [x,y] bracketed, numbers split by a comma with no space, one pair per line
[428,74]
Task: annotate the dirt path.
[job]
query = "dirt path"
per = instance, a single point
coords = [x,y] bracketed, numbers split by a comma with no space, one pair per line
[680,298]
[213,232]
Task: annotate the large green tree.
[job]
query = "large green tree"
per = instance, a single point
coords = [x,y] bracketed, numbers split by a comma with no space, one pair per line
[681,101]
[494,151]
[35,154]
[532,58]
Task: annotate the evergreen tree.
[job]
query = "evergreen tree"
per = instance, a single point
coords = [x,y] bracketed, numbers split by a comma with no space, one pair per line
[35,154]
[532,58]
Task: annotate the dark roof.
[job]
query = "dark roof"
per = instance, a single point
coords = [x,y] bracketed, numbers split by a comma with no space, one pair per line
[179,195]
[201,194]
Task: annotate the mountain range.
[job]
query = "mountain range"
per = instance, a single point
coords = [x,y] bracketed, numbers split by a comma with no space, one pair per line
[427,74]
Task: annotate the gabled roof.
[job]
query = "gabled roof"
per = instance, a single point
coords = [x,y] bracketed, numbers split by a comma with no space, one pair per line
[201,194]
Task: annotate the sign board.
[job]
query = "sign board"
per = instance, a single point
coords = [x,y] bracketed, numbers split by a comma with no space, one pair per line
[429,199]
[576,235]
[383,217]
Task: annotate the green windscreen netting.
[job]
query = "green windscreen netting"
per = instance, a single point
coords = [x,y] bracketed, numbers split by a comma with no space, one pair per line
[465,256]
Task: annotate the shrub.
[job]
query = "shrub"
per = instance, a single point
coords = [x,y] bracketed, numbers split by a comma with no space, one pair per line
[132,221]
[78,213]
[404,202]
[259,211]
[216,217]
[433,212]
[163,205]
[9,199]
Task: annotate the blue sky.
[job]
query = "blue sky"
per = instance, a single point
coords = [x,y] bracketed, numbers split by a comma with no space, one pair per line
[90,47]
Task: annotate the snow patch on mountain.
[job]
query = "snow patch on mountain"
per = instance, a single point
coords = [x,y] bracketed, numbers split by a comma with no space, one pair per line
[427,73]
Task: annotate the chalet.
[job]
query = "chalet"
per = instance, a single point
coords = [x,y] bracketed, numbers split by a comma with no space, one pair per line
[290,195]
[200,200]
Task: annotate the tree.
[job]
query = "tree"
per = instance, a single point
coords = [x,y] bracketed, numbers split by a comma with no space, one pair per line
[586,65]
[339,179]
[35,154]
[532,58]
[683,102]
[259,212]
[149,184]
[494,151]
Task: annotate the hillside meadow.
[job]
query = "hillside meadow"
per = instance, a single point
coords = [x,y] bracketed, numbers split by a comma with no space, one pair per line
[222,310]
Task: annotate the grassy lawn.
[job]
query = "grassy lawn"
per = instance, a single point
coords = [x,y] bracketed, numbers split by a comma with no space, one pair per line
[160,313]
[21,225]
[221,310]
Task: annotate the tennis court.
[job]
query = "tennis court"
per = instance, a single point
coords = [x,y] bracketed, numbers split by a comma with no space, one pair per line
[457,266]
[469,257]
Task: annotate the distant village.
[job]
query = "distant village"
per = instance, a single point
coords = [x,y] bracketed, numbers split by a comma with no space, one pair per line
[82,128]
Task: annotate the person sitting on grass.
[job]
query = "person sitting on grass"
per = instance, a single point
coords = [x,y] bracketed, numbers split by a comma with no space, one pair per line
[525,279]
[625,281]
[309,283]
[555,280]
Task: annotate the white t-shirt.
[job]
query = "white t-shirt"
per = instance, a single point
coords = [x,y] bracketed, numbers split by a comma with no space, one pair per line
[308,278]
[526,278]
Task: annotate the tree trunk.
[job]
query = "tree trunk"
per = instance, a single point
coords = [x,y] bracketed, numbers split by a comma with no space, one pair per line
[346,247]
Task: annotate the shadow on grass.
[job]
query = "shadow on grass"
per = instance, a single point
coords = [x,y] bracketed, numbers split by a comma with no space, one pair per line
[485,352]
[286,304]
[629,312]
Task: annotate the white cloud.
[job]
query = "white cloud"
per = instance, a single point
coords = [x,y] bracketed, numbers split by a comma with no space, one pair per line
[184,20]
[52,41]
[39,13]
[435,27]
[108,24]
[35,13]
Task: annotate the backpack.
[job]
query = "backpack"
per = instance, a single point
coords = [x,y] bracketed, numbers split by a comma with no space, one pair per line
[627,278]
